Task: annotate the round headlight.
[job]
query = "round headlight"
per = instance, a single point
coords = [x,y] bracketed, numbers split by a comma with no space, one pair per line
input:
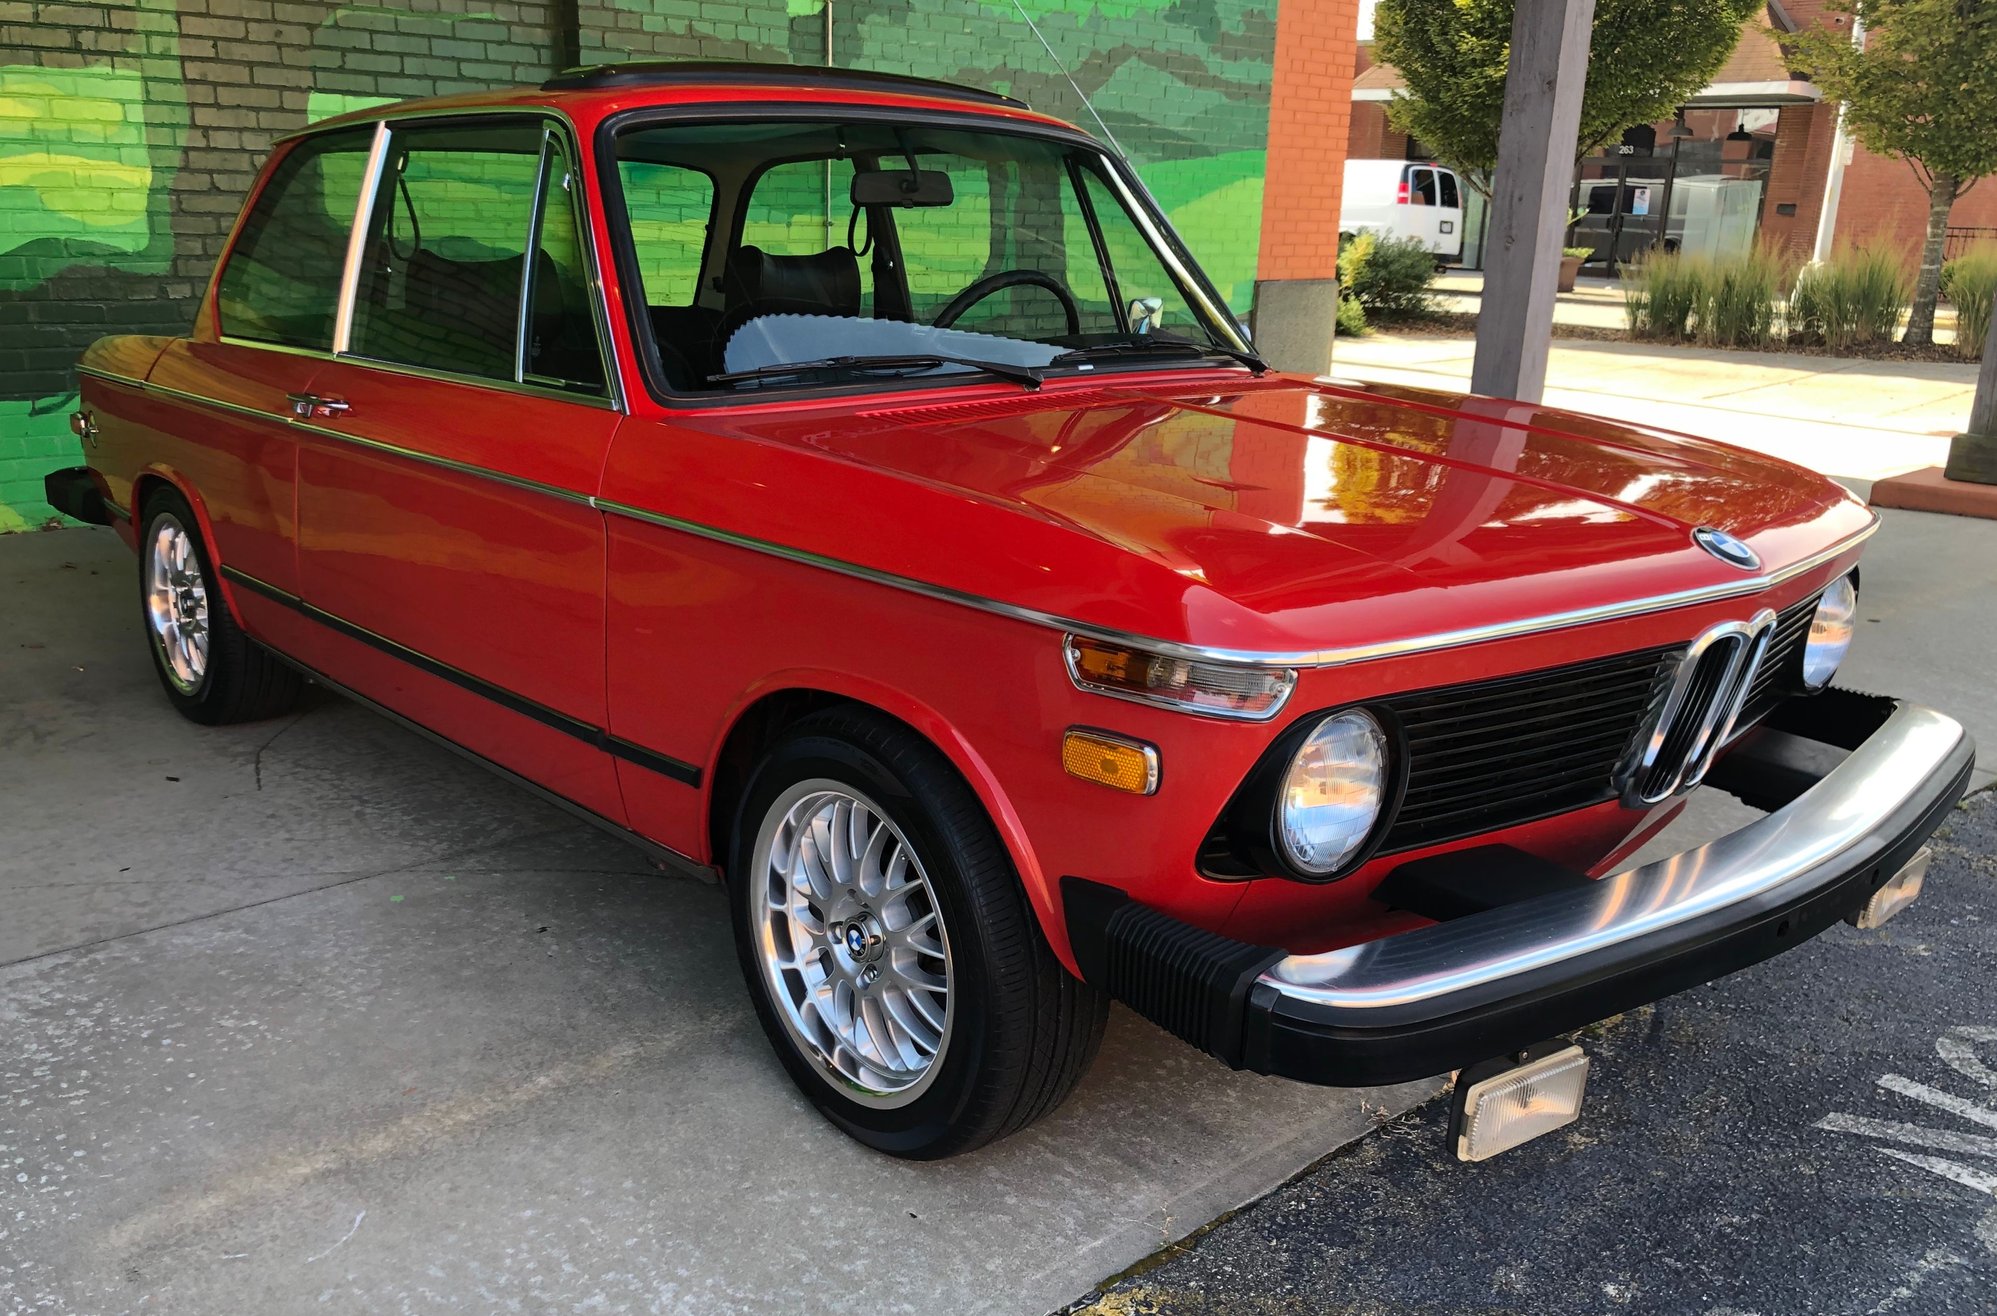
[1830,633]
[1332,794]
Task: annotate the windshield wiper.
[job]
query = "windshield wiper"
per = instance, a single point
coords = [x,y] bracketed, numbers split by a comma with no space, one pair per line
[1161,343]
[1025,376]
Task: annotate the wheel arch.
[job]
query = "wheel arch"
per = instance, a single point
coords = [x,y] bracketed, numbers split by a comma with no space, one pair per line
[767,712]
[156,476]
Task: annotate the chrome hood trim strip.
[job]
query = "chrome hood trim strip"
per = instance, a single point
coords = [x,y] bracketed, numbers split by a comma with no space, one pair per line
[1477,952]
[1337,657]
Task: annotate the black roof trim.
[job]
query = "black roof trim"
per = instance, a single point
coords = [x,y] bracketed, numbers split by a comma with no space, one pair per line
[669,73]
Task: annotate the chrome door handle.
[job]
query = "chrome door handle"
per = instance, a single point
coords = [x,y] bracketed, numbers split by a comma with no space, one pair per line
[307,405]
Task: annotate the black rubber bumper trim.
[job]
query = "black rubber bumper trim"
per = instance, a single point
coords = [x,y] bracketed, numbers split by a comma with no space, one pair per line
[75,492]
[1204,988]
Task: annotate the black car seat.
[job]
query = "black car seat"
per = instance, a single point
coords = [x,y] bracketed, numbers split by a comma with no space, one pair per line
[758,283]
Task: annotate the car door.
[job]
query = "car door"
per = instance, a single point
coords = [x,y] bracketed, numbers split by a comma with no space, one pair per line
[447,538]
[262,341]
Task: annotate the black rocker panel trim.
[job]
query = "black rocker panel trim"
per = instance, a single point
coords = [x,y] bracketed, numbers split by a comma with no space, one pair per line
[589,733]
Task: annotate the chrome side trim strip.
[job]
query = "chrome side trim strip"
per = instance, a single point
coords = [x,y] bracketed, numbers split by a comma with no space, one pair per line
[1483,951]
[1250,657]
[554,491]
[1333,657]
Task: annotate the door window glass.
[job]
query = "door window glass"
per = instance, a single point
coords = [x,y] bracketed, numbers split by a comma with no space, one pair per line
[1447,182]
[1421,191]
[281,282]
[440,284]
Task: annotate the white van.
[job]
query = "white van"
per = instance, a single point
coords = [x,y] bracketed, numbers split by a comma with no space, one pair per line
[1393,198]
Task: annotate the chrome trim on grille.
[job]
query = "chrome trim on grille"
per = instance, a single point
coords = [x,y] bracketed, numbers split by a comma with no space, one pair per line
[1747,643]
[1469,954]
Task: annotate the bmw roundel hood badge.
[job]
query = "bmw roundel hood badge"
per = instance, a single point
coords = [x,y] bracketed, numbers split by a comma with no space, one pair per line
[1726,548]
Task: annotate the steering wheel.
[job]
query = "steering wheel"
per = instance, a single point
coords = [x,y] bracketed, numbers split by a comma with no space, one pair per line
[992,283]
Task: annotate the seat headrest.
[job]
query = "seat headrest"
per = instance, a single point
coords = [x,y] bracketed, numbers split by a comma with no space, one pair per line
[825,281]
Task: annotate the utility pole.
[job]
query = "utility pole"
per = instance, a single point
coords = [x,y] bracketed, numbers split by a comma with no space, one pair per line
[1542,120]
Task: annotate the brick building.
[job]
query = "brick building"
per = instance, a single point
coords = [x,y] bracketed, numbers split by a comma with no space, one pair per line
[1760,133]
[130,129]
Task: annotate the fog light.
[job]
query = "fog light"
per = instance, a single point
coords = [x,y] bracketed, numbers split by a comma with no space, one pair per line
[1514,1105]
[1110,760]
[1900,891]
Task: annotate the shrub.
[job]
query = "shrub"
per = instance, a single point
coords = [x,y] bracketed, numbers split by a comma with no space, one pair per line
[1735,298]
[1857,296]
[1386,278]
[1970,283]
[1351,316]
[1659,295]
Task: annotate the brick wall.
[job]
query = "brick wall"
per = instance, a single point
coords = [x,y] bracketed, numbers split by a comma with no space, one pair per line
[1309,122]
[156,117]
[130,129]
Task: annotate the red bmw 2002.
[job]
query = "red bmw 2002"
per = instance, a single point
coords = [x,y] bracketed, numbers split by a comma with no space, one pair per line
[851,485]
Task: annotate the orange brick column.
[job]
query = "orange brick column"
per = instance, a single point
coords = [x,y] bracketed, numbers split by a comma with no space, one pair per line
[1310,120]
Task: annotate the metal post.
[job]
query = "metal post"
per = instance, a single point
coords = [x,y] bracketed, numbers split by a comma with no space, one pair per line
[1549,65]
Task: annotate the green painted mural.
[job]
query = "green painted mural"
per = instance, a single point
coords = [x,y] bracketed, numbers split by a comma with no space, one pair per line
[130,130]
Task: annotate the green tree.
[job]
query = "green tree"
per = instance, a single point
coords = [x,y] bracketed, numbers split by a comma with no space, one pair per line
[1922,85]
[1645,59]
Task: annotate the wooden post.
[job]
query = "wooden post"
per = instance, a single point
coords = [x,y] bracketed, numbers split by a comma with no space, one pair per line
[1973,454]
[1543,83]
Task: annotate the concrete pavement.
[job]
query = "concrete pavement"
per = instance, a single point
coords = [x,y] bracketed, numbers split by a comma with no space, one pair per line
[313,1015]
[1849,418]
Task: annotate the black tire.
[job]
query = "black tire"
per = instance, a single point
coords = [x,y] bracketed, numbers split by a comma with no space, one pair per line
[240,681]
[1021,1029]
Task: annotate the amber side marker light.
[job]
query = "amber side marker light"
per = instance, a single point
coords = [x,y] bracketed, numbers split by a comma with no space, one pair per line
[1106,759]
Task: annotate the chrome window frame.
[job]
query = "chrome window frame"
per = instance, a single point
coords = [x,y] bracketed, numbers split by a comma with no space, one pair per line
[557,124]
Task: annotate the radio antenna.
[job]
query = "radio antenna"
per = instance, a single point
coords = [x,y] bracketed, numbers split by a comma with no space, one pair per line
[1087,104]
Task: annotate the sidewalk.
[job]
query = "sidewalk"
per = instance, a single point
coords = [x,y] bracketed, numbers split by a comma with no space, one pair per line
[1849,418]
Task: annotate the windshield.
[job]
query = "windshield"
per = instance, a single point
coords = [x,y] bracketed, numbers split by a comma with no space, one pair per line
[829,245]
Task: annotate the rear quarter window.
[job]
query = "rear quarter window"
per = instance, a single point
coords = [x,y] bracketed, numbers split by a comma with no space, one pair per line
[281,280]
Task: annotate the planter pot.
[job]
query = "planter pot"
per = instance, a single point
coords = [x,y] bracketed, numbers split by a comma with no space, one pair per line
[1570,266]
[1973,457]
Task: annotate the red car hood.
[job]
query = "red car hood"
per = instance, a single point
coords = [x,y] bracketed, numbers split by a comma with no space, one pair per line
[1274,514]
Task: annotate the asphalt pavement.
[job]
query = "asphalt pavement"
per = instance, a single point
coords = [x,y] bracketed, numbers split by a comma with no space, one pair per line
[1816,1134]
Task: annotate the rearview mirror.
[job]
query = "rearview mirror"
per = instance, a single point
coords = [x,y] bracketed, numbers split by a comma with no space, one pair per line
[902,187]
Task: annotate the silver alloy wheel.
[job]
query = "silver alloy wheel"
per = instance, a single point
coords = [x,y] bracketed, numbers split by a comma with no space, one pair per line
[177,603]
[851,941]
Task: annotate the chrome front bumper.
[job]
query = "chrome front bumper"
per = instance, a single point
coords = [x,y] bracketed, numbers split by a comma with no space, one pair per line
[1858,783]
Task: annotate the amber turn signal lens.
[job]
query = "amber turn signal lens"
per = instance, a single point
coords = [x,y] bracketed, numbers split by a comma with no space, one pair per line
[1110,760]
[1217,689]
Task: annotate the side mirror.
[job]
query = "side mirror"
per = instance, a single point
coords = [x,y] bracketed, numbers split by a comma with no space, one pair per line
[902,187]
[1144,313]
